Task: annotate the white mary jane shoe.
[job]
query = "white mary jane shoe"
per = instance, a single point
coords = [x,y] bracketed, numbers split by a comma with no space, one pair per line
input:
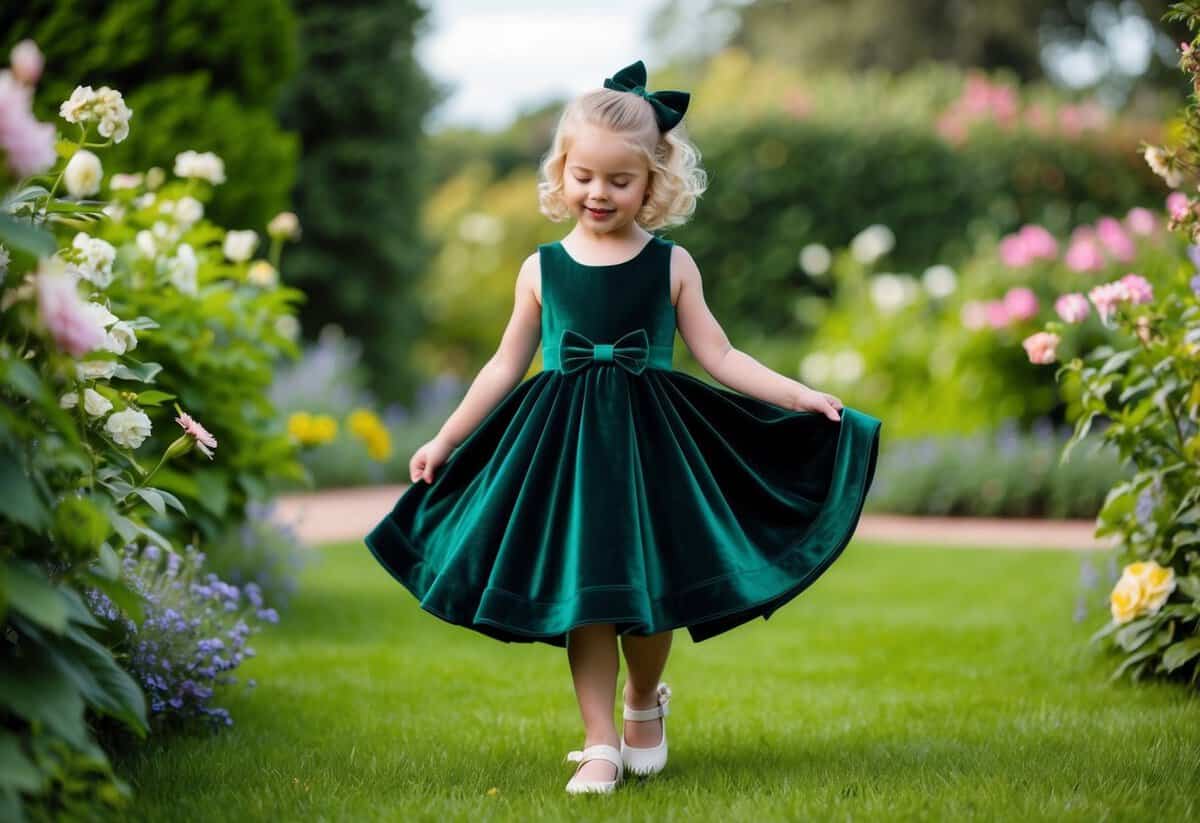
[647,761]
[597,751]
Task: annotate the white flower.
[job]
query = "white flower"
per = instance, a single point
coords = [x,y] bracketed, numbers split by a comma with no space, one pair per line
[101,314]
[120,338]
[4,258]
[284,226]
[98,257]
[815,367]
[74,108]
[182,269]
[847,366]
[239,245]
[121,180]
[104,105]
[262,274]
[939,280]
[83,174]
[128,427]
[815,259]
[96,404]
[1157,161]
[146,244]
[95,369]
[145,201]
[165,234]
[890,292]
[205,166]
[115,212]
[188,210]
[287,326]
[69,400]
[872,243]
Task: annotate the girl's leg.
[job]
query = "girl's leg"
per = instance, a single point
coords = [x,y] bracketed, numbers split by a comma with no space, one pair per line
[592,654]
[645,659]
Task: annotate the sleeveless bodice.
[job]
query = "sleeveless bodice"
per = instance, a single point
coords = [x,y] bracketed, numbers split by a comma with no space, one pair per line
[618,314]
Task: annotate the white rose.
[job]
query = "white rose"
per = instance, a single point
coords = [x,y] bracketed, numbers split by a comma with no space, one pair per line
[69,400]
[98,257]
[121,180]
[115,212]
[205,166]
[145,243]
[188,210]
[83,174]
[145,201]
[95,369]
[815,259]
[128,427]
[239,245]
[262,274]
[113,114]
[103,316]
[120,338]
[73,108]
[96,404]
[182,269]
[284,225]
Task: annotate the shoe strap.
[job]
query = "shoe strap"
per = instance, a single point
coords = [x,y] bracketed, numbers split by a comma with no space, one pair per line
[598,751]
[664,696]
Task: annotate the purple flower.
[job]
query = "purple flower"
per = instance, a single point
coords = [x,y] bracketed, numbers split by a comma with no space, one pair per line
[1195,284]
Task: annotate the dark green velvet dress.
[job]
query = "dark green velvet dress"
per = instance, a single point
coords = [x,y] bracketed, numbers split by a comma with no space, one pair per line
[610,488]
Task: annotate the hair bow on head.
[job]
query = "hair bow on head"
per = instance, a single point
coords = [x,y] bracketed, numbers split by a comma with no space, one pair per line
[669,106]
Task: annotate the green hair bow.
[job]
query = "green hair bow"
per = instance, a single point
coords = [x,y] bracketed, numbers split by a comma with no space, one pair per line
[669,106]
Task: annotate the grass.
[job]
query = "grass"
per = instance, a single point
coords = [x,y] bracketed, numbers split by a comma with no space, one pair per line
[909,683]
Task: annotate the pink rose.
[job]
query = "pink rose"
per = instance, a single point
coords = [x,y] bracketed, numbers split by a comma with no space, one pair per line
[1084,253]
[27,144]
[27,62]
[996,313]
[1041,347]
[1020,303]
[76,329]
[1072,308]
[1138,288]
[1106,296]
[1141,221]
[1177,205]
[1113,237]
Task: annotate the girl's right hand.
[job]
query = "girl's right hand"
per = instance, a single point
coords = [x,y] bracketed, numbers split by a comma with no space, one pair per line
[427,458]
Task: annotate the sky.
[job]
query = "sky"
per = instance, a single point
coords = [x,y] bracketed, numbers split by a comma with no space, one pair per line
[505,55]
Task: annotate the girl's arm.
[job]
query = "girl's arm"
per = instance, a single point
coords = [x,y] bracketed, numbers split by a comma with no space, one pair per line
[732,367]
[504,370]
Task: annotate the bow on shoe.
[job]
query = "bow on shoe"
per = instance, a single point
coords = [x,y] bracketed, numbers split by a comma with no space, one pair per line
[631,351]
[669,105]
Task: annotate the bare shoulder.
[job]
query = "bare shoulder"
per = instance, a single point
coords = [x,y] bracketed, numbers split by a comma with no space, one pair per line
[684,271]
[530,275]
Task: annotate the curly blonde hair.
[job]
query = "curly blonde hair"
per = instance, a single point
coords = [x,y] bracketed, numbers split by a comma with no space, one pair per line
[676,178]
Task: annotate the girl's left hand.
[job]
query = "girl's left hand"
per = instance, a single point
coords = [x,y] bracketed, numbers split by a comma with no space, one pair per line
[818,401]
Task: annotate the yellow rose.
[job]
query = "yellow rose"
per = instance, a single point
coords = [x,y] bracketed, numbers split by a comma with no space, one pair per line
[1143,588]
[1126,598]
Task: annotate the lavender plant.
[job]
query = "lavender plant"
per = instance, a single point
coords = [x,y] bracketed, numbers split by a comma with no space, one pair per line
[193,636]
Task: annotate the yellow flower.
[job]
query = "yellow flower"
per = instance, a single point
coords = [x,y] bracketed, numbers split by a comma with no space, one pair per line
[363,421]
[324,428]
[1143,588]
[298,425]
[311,429]
[379,445]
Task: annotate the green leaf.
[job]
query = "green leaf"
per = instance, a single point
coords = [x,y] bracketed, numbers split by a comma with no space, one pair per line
[1179,653]
[153,397]
[19,500]
[109,688]
[172,501]
[153,498]
[17,772]
[1136,633]
[33,595]
[32,687]
[144,372]
[120,594]
[1117,361]
[26,237]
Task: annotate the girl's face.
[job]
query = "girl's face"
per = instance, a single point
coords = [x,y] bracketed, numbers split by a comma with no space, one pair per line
[604,181]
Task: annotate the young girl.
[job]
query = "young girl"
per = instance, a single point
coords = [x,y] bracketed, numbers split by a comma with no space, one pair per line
[610,495]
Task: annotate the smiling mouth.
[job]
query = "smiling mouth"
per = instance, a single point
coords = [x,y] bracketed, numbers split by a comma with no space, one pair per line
[599,211]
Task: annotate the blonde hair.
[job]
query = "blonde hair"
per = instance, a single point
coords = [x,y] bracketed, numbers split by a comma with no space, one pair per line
[676,178]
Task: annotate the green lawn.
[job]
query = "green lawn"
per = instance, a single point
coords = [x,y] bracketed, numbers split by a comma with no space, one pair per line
[907,683]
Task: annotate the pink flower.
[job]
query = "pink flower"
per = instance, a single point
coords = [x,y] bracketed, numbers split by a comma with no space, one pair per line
[1020,303]
[1138,288]
[76,329]
[27,62]
[996,314]
[205,442]
[1023,247]
[1041,347]
[1106,296]
[1177,205]
[1113,237]
[1084,252]
[27,144]
[1141,221]
[1072,308]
